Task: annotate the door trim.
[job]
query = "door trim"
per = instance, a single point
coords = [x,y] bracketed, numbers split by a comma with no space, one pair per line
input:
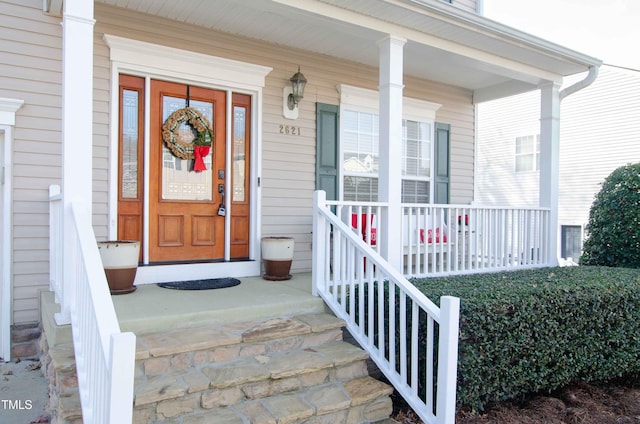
[160,62]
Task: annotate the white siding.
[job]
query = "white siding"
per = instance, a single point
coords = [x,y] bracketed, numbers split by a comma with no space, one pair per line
[30,69]
[500,122]
[599,132]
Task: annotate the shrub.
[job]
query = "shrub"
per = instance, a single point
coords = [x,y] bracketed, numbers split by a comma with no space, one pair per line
[613,230]
[537,330]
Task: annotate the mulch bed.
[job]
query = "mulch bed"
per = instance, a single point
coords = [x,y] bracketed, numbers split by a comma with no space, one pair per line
[579,403]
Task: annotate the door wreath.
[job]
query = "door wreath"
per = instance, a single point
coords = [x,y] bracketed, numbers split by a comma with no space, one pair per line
[200,146]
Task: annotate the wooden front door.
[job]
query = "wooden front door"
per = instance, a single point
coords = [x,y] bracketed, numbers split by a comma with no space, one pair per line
[185,221]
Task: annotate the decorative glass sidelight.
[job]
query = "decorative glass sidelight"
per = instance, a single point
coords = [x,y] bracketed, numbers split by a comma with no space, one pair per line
[239,149]
[130,135]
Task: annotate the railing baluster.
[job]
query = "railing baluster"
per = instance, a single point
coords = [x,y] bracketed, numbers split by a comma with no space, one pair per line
[403,337]
[392,326]
[415,319]
[429,346]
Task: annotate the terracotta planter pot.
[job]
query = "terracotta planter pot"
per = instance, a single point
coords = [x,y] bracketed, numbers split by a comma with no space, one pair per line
[120,261]
[277,254]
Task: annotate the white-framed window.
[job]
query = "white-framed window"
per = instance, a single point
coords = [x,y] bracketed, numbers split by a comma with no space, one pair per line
[359,123]
[417,144]
[528,153]
[360,155]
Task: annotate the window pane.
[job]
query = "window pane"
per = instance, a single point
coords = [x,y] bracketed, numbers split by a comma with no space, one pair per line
[361,189]
[360,143]
[179,182]
[527,153]
[130,136]
[416,149]
[415,191]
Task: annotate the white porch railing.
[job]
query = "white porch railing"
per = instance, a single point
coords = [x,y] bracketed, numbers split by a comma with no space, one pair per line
[455,239]
[412,341]
[105,356]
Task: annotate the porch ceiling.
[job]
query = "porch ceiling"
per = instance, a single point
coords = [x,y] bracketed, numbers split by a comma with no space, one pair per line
[460,49]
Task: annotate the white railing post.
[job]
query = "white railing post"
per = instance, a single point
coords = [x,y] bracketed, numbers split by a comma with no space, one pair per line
[55,240]
[447,359]
[318,257]
[122,355]
[69,261]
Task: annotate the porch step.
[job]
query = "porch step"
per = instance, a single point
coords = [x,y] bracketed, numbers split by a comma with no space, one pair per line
[284,370]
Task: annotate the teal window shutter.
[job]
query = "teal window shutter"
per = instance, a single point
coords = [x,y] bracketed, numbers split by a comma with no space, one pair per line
[441,165]
[327,137]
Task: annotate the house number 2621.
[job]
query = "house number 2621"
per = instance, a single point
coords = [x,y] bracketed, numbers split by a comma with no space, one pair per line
[289,130]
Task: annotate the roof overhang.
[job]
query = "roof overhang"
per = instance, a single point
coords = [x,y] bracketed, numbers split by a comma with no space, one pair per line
[444,44]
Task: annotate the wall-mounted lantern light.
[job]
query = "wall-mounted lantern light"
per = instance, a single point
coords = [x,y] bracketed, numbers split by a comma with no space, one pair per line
[292,94]
[298,82]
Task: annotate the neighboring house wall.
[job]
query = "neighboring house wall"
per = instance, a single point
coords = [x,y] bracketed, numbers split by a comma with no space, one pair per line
[469,5]
[30,59]
[599,132]
[30,54]
[500,122]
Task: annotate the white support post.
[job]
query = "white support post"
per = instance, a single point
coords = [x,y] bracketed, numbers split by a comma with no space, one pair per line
[8,109]
[390,153]
[77,131]
[550,163]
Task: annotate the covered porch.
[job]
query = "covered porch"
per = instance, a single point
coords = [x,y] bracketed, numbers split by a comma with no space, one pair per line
[403,42]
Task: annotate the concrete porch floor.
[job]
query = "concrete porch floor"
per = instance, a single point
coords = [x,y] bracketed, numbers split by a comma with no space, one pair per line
[151,308]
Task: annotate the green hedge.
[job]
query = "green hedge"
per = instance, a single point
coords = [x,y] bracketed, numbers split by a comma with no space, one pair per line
[613,231]
[538,330]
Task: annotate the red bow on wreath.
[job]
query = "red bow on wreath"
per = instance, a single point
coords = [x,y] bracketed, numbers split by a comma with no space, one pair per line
[199,153]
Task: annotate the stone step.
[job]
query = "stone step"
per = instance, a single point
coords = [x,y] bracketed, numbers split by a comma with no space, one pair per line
[62,371]
[280,371]
[225,383]
[169,352]
[356,401]
[303,329]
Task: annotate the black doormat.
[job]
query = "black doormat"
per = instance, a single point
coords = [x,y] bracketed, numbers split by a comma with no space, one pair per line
[209,284]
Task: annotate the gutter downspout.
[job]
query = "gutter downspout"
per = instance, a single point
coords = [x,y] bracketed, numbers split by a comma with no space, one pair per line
[550,150]
[590,78]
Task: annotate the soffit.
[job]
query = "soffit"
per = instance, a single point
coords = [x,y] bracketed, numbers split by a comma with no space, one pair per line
[443,44]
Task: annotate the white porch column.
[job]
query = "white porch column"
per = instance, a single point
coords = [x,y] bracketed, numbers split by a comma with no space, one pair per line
[8,109]
[390,153]
[550,163]
[77,131]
